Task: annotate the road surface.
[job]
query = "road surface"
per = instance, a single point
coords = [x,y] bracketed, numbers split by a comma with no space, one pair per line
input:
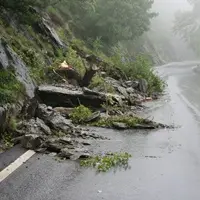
[165,163]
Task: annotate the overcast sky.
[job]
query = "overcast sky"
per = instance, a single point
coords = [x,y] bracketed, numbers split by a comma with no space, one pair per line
[171,5]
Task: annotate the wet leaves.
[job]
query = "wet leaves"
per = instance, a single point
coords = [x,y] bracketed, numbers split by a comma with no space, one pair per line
[106,162]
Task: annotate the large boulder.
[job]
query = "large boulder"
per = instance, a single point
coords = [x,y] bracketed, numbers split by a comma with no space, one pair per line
[56,96]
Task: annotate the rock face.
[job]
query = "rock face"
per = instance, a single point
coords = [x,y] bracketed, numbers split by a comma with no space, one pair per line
[47,29]
[9,58]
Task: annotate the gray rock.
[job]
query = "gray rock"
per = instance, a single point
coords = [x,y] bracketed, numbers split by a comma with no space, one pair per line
[130,90]
[43,112]
[94,117]
[123,91]
[129,83]
[143,85]
[64,97]
[32,141]
[135,84]
[33,126]
[76,156]
[54,147]
[65,112]
[44,128]
[9,58]
[58,122]
[120,126]
[145,126]
[115,83]
[66,153]
[66,140]
[47,29]
[2,119]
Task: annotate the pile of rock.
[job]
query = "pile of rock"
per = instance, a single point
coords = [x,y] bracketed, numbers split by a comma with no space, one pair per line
[48,131]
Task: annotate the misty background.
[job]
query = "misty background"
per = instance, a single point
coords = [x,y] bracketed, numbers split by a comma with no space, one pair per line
[169,46]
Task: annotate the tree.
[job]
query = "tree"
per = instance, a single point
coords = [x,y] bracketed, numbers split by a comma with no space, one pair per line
[110,21]
[187,25]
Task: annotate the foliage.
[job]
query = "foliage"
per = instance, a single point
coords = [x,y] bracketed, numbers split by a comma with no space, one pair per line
[129,121]
[32,51]
[139,68]
[106,162]
[75,61]
[80,114]
[98,81]
[10,88]
[117,21]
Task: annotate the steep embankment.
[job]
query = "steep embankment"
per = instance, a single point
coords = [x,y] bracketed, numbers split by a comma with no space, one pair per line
[41,63]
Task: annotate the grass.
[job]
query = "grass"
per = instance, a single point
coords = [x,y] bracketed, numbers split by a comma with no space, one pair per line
[106,162]
[99,82]
[130,122]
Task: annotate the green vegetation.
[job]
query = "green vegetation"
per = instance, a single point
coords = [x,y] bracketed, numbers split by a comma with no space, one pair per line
[139,68]
[89,26]
[99,82]
[130,122]
[11,89]
[74,60]
[106,162]
[80,114]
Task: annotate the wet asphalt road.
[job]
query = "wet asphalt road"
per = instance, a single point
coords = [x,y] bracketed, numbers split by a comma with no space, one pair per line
[165,163]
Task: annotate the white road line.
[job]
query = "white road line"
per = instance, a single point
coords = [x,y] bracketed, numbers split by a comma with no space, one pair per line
[16,164]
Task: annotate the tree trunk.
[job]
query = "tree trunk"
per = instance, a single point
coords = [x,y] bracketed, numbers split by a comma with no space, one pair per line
[89,74]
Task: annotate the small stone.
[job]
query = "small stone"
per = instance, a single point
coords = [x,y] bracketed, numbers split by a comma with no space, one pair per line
[49,108]
[66,153]
[130,90]
[53,154]
[123,91]
[65,140]
[120,126]
[32,141]
[86,142]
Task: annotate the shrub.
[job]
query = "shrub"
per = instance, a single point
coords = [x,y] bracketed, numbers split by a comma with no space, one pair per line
[80,114]
[96,81]
[75,61]
[140,68]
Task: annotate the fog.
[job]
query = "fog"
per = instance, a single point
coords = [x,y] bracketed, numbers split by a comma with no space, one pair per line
[162,26]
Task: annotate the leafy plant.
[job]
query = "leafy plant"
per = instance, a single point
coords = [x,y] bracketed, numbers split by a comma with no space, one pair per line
[80,114]
[106,162]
